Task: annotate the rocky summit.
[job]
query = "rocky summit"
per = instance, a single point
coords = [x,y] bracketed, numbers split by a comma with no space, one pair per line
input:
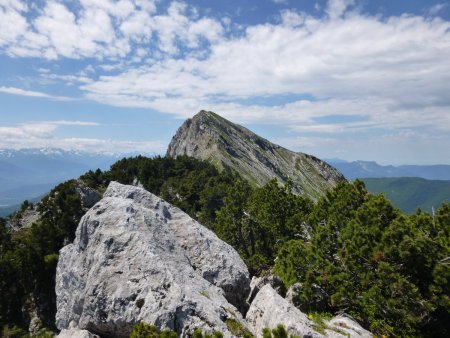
[137,258]
[207,136]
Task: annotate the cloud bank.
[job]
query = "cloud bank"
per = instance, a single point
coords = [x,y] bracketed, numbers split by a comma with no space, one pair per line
[43,134]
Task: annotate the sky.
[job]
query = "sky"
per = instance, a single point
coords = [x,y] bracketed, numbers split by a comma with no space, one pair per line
[348,79]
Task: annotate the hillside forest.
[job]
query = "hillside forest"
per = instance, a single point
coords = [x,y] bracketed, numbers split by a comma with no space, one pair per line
[351,252]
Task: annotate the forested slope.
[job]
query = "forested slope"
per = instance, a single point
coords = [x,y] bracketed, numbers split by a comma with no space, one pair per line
[410,193]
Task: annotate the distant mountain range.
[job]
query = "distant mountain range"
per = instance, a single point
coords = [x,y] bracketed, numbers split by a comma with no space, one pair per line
[408,187]
[410,193]
[30,173]
[366,169]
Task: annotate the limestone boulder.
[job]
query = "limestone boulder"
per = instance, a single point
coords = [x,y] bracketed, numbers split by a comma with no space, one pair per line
[138,258]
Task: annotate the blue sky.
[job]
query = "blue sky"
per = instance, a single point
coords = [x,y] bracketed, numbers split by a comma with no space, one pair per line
[350,79]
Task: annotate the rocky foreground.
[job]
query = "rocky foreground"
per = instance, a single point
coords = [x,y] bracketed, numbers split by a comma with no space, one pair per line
[137,258]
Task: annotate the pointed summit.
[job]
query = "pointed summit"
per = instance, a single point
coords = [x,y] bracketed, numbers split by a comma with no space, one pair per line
[208,136]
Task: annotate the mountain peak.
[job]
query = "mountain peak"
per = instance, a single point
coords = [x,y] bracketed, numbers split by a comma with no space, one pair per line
[213,120]
[205,113]
[208,136]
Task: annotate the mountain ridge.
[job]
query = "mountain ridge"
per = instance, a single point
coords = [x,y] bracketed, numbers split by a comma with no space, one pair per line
[371,169]
[208,136]
[410,193]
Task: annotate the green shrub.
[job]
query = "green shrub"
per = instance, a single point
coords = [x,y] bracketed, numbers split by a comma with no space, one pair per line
[144,330]
[198,333]
[278,332]
[14,332]
[383,267]
[237,329]
[319,320]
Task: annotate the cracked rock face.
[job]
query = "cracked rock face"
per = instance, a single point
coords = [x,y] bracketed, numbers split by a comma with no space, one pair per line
[138,258]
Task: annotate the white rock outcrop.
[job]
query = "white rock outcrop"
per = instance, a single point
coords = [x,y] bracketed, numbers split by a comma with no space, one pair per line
[138,258]
[347,327]
[269,309]
[75,333]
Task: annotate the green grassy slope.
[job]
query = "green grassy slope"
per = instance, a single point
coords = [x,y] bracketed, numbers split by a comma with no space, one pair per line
[410,193]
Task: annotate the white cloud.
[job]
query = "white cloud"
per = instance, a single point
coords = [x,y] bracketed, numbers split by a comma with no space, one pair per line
[18,91]
[12,23]
[70,123]
[336,8]
[436,9]
[102,29]
[176,28]
[119,9]
[136,26]
[33,131]
[43,70]
[291,19]
[67,79]
[94,145]
[281,2]
[14,4]
[68,36]
[42,135]
[394,71]
[146,5]
[23,92]
[40,130]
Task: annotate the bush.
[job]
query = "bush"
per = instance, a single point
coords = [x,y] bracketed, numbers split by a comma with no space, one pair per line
[144,330]
[14,332]
[278,332]
[382,267]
